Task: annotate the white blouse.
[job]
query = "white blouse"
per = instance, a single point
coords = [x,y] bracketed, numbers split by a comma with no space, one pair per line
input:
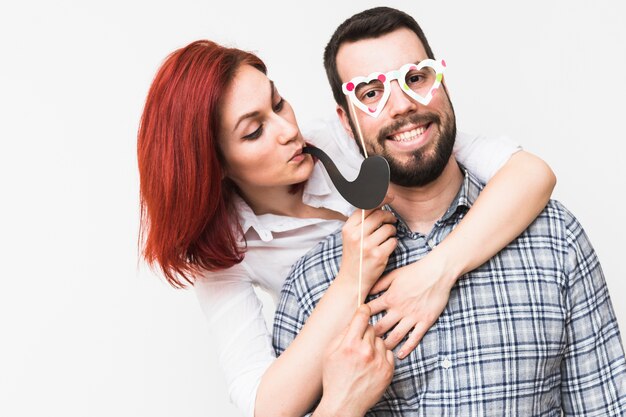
[274,243]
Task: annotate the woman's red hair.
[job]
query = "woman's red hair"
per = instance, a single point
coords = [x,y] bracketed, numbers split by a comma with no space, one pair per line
[188,222]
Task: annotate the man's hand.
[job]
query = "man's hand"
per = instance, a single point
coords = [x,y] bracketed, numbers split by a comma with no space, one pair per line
[357,370]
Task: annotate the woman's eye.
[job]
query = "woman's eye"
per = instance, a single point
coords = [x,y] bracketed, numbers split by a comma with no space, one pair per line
[280,105]
[256,134]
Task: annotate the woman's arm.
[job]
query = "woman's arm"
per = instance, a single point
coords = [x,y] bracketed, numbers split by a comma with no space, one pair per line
[238,331]
[418,293]
[296,376]
[245,353]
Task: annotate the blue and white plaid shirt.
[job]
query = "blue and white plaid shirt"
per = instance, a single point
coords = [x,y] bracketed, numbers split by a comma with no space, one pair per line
[529,333]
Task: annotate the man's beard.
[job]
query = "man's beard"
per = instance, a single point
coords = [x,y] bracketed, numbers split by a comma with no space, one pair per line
[426,163]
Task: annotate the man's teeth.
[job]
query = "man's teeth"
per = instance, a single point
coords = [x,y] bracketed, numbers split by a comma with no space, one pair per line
[410,135]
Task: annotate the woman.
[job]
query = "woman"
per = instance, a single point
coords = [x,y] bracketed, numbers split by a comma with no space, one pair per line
[229,202]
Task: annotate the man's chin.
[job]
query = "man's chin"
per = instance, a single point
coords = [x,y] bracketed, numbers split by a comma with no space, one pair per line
[415,170]
[410,162]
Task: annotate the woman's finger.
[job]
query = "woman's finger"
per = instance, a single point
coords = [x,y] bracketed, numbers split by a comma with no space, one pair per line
[378,305]
[381,285]
[381,235]
[390,358]
[377,219]
[387,322]
[359,323]
[398,333]
[389,245]
[380,346]
[369,336]
[373,220]
[414,338]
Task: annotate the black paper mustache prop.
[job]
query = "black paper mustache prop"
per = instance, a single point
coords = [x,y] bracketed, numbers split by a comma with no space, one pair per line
[369,188]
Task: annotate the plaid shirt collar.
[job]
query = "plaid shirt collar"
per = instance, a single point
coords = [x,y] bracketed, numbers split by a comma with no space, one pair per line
[463,201]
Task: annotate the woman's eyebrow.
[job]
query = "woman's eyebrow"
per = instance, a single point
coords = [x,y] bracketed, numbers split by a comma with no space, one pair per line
[255,112]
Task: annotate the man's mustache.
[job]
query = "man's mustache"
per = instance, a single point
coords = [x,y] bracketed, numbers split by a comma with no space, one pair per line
[417,119]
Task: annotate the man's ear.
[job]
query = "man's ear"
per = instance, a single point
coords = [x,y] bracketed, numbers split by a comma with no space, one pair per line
[345,121]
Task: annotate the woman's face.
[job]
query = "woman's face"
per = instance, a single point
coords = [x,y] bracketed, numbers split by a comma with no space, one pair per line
[259,136]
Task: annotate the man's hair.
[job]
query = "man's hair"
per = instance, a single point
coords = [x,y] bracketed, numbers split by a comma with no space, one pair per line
[370,23]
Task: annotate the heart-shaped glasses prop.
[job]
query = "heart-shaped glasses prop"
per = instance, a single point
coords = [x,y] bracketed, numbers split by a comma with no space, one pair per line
[419,81]
[369,188]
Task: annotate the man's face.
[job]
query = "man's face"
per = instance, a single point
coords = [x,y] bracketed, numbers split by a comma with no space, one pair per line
[417,140]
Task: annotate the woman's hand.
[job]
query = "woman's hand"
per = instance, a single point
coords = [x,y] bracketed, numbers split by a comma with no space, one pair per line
[415,297]
[378,243]
[357,370]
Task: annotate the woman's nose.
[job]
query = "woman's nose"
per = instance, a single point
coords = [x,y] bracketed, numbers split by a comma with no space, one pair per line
[288,131]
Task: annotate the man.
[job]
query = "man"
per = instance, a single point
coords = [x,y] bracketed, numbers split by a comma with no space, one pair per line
[532,331]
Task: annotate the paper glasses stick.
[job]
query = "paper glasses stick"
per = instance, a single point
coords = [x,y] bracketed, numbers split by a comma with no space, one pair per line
[366,192]
[358,129]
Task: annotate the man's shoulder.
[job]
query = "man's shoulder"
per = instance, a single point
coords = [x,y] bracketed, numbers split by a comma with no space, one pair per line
[556,229]
[557,214]
[554,212]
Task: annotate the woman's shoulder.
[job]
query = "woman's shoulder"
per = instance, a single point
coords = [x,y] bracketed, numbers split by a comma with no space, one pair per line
[238,273]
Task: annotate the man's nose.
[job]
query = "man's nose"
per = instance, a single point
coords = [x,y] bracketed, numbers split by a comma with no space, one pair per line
[399,103]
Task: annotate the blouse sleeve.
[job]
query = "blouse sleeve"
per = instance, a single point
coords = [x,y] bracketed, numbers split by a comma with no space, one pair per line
[236,323]
[483,156]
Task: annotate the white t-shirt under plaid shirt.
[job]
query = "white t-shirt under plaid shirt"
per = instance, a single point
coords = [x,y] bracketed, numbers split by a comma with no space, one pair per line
[532,332]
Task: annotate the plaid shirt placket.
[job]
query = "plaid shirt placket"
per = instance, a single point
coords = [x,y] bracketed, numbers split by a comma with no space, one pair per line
[516,337]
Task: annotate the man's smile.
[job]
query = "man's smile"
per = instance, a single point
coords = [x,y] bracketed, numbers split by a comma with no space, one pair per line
[409,134]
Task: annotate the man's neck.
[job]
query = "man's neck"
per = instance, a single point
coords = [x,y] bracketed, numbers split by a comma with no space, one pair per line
[421,207]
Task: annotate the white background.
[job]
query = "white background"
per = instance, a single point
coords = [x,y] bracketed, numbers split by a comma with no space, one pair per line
[86,329]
